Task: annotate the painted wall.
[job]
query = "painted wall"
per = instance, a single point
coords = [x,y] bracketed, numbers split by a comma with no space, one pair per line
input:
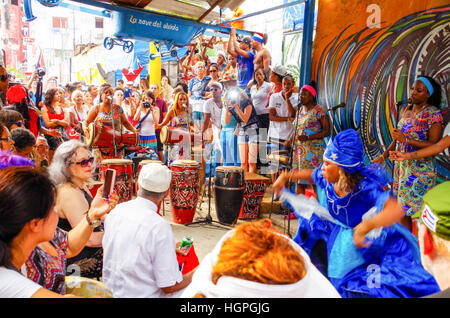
[368,53]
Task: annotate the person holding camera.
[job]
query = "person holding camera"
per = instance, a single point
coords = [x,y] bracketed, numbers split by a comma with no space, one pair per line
[240,107]
[147,115]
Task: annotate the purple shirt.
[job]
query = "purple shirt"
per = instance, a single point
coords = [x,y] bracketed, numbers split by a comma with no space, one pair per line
[161,104]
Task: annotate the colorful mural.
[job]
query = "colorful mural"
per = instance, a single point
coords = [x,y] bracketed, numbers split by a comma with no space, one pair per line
[371,61]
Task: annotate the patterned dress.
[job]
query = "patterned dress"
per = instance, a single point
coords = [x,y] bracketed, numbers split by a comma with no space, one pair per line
[107,119]
[180,150]
[49,271]
[413,178]
[308,154]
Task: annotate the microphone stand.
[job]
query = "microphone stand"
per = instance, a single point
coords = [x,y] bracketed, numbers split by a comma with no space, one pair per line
[113,127]
[208,219]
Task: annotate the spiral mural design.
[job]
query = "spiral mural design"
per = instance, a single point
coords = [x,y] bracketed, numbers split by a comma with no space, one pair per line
[373,69]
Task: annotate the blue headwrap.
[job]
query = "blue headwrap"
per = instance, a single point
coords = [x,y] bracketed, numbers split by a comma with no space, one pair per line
[346,150]
[427,83]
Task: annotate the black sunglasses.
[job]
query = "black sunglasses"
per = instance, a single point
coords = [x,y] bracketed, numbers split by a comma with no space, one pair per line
[85,162]
[6,139]
[18,123]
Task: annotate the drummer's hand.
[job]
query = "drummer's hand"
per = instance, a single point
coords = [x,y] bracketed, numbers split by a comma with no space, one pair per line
[287,143]
[280,183]
[359,234]
[100,206]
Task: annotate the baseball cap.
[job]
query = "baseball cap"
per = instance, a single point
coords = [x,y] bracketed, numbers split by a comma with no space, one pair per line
[246,40]
[155,177]
[279,69]
[218,84]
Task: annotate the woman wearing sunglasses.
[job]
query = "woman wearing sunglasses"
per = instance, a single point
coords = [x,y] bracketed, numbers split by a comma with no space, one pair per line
[6,142]
[70,169]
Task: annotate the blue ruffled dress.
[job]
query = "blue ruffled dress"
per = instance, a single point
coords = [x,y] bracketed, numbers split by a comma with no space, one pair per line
[390,267]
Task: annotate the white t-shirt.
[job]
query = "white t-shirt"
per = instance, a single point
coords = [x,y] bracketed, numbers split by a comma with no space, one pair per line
[15,285]
[147,126]
[281,129]
[210,107]
[260,98]
[139,255]
[83,114]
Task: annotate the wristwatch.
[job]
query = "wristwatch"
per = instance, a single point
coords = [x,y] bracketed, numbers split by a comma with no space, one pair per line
[91,223]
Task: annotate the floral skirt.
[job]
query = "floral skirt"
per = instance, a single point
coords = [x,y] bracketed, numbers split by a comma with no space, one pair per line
[412,179]
[308,155]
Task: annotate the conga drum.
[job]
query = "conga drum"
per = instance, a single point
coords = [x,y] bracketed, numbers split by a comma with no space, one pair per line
[184,190]
[124,177]
[229,185]
[102,136]
[86,287]
[93,186]
[255,187]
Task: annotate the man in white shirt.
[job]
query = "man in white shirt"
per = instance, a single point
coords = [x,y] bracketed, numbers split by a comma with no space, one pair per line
[213,114]
[282,113]
[139,258]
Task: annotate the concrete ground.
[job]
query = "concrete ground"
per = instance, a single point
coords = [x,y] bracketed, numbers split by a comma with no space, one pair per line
[207,235]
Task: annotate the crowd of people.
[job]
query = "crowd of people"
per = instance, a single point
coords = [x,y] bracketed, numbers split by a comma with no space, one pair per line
[245,112]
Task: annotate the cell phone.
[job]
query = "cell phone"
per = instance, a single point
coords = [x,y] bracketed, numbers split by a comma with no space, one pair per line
[127,93]
[110,180]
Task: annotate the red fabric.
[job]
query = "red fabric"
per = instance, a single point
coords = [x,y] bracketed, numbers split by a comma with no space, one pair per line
[34,121]
[55,116]
[189,262]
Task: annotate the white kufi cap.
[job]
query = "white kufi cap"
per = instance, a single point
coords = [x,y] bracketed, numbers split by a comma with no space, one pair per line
[155,177]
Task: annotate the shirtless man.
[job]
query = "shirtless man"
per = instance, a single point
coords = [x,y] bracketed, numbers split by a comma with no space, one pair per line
[262,55]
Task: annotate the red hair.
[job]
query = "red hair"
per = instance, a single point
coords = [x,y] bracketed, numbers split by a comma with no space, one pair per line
[257,252]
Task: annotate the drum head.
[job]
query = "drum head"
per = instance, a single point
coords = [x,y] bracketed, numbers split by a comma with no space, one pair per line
[117,162]
[229,168]
[164,135]
[184,163]
[92,133]
[250,176]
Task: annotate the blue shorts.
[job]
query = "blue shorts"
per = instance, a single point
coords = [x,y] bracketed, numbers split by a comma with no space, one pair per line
[248,135]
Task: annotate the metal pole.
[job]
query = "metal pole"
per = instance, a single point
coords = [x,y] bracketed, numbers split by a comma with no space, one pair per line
[307,42]
[285,5]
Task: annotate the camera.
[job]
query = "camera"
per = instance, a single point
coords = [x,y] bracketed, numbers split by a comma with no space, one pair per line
[41,71]
[146,104]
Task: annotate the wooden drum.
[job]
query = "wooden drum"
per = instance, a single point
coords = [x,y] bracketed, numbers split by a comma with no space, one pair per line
[124,177]
[255,187]
[228,193]
[184,190]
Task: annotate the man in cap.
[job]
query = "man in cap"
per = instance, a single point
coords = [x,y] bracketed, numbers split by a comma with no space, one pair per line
[242,50]
[213,115]
[434,235]
[139,258]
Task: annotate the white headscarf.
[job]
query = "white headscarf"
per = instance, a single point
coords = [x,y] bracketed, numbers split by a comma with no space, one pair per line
[312,285]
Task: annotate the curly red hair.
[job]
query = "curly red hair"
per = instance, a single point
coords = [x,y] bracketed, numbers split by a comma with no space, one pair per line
[257,252]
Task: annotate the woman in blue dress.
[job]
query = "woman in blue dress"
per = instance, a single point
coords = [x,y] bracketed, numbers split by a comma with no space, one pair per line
[368,254]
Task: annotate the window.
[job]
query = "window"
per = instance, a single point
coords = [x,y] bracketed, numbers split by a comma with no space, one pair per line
[98,23]
[60,23]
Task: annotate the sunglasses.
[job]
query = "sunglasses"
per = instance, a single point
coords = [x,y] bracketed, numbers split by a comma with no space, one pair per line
[18,123]
[6,139]
[213,71]
[85,162]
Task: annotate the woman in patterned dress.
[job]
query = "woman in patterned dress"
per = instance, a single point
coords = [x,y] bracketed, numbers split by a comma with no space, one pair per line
[420,125]
[312,127]
[103,113]
[179,117]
